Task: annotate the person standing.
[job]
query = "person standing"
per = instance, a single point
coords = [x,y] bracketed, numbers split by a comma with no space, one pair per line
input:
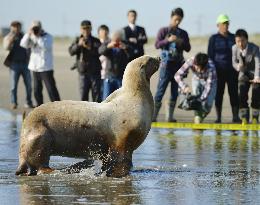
[117,53]
[246,60]
[85,48]
[103,35]
[204,83]
[18,63]
[134,35]
[41,61]
[220,52]
[172,40]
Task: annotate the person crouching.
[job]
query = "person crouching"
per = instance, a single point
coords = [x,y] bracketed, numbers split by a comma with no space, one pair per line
[204,83]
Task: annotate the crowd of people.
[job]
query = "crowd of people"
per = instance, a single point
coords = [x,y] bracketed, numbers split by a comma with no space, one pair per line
[231,59]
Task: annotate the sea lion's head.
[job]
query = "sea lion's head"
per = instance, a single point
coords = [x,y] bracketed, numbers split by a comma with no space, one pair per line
[140,70]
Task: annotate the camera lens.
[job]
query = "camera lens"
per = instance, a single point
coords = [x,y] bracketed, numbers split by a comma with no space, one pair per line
[36,30]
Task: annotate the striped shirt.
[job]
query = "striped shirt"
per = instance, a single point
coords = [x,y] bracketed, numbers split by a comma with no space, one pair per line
[209,75]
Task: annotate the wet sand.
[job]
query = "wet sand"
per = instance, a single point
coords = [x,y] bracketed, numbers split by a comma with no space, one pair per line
[170,167]
[67,80]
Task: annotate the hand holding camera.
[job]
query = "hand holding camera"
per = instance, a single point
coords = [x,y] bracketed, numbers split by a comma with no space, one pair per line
[241,67]
[116,44]
[255,80]
[35,30]
[187,90]
[111,44]
[12,36]
[84,43]
[81,41]
[172,38]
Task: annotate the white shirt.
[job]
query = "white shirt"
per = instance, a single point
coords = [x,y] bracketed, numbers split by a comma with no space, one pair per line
[132,26]
[41,58]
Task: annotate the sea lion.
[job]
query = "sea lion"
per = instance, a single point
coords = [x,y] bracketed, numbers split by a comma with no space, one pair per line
[110,130]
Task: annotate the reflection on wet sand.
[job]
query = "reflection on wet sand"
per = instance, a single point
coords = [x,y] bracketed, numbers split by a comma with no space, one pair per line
[65,189]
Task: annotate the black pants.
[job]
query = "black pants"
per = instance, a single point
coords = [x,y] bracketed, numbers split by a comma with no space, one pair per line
[87,82]
[48,79]
[243,95]
[229,76]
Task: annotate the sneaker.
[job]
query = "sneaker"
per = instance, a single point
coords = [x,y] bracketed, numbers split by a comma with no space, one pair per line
[28,106]
[197,119]
[14,106]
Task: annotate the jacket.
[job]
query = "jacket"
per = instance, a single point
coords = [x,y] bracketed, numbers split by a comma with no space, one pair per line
[41,58]
[220,50]
[182,44]
[88,59]
[140,35]
[250,62]
[118,58]
[17,53]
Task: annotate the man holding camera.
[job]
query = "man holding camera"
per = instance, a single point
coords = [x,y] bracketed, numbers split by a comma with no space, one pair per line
[172,40]
[204,83]
[85,48]
[41,61]
[17,61]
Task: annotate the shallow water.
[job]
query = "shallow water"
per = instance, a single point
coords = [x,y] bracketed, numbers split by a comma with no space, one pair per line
[170,167]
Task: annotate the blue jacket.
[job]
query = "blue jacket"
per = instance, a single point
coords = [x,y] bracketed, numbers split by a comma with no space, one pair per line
[220,50]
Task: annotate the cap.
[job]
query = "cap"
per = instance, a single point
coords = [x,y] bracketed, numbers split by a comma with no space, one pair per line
[222,18]
[36,24]
[85,23]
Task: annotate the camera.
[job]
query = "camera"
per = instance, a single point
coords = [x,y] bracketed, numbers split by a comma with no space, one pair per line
[36,30]
[117,44]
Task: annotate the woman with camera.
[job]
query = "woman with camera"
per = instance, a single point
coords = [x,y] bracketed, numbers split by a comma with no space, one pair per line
[118,54]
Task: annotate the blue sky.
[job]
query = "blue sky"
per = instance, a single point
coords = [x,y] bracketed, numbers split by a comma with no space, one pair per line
[62,17]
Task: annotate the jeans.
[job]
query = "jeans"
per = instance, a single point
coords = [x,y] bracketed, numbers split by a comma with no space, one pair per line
[166,76]
[198,86]
[90,82]
[16,70]
[49,81]
[110,85]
